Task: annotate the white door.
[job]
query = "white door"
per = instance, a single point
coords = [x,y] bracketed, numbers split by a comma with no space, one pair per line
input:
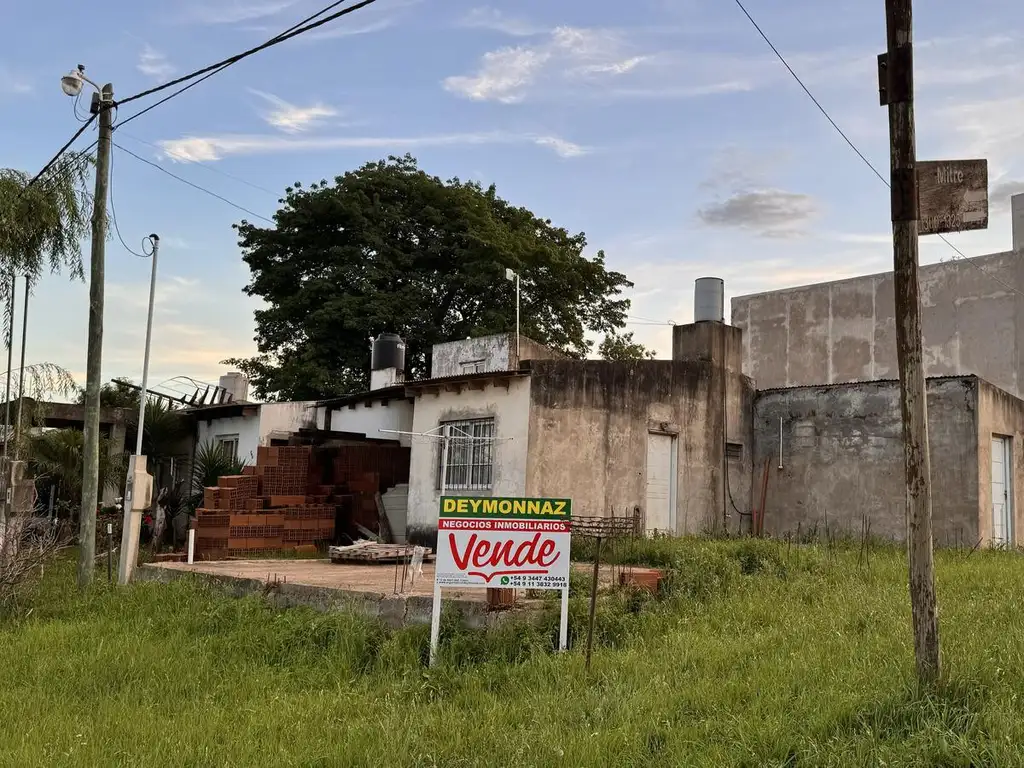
[660,483]
[1002,492]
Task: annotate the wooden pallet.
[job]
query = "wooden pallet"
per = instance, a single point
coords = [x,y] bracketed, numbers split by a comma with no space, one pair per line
[372,552]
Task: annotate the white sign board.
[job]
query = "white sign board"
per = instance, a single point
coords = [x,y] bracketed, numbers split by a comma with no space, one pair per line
[502,543]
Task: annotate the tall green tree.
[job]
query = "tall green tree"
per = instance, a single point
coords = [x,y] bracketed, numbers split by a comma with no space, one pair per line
[388,247]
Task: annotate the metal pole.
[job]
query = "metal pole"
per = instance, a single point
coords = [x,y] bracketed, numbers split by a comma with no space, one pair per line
[21,371]
[149,337]
[913,402]
[94,354]
[517,319]
[435,609]
[110,553]
[593,602]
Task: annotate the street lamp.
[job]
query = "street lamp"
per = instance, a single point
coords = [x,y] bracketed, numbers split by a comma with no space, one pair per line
[71,83]
[103,102]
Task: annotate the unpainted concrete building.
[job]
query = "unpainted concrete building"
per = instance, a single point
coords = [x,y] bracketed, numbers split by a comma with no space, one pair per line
[845,330]
[834,455]
[613,436]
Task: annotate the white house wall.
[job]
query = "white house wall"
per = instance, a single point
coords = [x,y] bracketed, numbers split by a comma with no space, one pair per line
[246,427]
[511,412]
[281,419]
[370,419]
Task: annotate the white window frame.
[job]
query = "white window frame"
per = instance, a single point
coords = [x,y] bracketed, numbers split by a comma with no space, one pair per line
[473,366]
[229,443]
[470,460]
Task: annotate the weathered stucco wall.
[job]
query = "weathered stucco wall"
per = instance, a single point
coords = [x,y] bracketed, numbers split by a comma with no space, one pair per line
[845,330]
[509,408]
[842,459]
[496,353]
[1002,414]
[589,424]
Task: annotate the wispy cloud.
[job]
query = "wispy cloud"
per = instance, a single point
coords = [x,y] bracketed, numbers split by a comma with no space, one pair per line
[291,118]
[343,29]
[235,11]
[210,148]
[506,75]
[495,20]
[13,82]
[154,64]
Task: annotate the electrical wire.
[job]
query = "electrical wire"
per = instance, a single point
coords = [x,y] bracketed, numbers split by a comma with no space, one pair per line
[967,259]
[209,71]
[113,216]
[193,185]
[60,153]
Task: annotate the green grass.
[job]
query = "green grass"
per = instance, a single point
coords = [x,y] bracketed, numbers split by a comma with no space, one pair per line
[755,655]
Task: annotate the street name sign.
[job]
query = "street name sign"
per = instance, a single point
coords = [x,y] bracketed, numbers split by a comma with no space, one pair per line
[952,196]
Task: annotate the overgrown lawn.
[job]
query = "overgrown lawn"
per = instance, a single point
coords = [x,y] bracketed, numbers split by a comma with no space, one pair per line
[758,654]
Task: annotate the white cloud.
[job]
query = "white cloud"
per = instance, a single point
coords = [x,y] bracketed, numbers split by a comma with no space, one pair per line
[342,29]
[12,82]
[495,20]
[612,68]
[503,75]
[152,63]
[290,118]
[235,11]
[561,146]
[506,75]
[210,148]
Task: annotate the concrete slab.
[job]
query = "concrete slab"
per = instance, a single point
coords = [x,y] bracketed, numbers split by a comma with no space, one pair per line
[327,586]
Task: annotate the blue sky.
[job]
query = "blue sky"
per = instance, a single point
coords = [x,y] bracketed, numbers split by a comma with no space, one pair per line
[664,129]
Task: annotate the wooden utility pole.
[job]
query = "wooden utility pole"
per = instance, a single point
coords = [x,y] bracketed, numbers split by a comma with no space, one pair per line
[897,81]
[94,350]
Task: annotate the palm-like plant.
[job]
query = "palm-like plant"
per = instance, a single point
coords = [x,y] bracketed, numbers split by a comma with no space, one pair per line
[57,454]
[211,462]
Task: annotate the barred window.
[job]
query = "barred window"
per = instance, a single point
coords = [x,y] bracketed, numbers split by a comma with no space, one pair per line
[470,455]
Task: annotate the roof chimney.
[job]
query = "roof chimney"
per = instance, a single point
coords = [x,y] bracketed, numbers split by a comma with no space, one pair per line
[235,384]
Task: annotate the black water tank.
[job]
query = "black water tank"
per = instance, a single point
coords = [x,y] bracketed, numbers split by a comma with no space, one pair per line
[388,352]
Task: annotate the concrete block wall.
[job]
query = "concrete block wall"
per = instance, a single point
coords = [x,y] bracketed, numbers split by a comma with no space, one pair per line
[842,458]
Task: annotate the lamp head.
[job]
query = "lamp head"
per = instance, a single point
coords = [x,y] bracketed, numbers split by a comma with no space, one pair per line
[71,83]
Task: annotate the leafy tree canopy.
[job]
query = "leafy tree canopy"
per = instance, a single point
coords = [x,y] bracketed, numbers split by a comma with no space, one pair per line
[617,346]
[115,394]
[388,248]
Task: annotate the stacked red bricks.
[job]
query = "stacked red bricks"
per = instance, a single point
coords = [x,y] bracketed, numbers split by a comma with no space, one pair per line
[266,510]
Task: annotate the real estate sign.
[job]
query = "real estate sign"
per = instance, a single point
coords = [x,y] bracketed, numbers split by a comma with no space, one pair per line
[511,543]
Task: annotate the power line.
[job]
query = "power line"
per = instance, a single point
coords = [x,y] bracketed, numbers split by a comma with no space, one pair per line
[209,71]
[204,165]
[60,152]
[967,259]
[113,213]
[193,185]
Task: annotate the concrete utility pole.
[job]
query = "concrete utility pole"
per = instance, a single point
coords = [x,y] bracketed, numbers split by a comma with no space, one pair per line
[132,518]
[897,75]
[94,360]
